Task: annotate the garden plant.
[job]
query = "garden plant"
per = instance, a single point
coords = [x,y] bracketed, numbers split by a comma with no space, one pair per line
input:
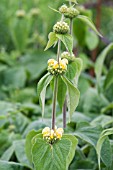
[66,124]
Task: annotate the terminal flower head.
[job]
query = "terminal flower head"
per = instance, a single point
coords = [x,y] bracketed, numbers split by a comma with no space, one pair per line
[51,135]
[20,13]
[56,68]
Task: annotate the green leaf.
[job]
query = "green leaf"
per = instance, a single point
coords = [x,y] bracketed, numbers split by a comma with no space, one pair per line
[74,141]
[19,29]
[100,142]
[109,78]
[100,61]
[54,9]
[19,147]
[89,23]
[52,40]
[28,145]
[41,89]
[4,165]
[61,92]
[73,96]
[67,41]
[74,1]
[103,120]
[57,156]
[106,152]
[74,70]
[88,133]
[8,153]
[107,108]
[92,40]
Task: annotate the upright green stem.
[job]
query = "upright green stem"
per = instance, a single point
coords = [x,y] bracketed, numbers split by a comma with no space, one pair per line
[55,90]
[65,103]
[54,102]
[71,26]
[58,51]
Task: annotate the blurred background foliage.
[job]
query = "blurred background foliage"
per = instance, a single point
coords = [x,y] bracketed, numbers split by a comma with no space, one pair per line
[22,64]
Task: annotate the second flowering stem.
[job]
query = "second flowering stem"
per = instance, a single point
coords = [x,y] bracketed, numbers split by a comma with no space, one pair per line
[55,90]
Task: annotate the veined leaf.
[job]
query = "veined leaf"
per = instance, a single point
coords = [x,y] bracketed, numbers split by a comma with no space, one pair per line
[109,78]
[61,92]
[100,142]
[19,146]
[7,154]
[92,40]
[57,156]
[73,96]
[10,166]
[41,89]
[67,41]
[88,133]
[28,145]
[89,23]
[100,61]
[52,40]
[74,70]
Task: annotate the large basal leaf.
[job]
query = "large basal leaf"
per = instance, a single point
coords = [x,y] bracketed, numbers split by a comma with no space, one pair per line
[19,147]
[73,96]
[52,40]
[90,134]
[67,41]
[57,156]
[41,89]
[109,78]
[89,23]
[4,165]
[7,154]
[93,103]
[61,92]
[106,153]
[107,108]
[28,144]
[35,62]
[103,120]
[100,61]
[14,77]
[100,142]
[19,29]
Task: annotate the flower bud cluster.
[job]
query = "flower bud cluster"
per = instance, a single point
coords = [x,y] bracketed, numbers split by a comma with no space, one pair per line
[61,28]
[70,12]
[56,68]
[51,135]
[20,13]
[63,9]
[34,12]
[67,55]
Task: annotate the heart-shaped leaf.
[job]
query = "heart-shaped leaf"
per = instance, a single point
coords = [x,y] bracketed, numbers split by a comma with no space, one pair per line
[57,156]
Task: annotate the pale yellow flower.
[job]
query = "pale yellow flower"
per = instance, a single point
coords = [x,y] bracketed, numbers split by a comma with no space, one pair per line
[55,66]
[65,60]
[63,65]
[52,134]
[59,133]
[46,131]
[51,62]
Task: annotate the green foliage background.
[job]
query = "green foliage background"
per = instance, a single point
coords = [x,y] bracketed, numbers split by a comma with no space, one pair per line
[23,63]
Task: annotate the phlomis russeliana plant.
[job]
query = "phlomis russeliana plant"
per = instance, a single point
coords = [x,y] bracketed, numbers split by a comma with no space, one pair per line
[51,148]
